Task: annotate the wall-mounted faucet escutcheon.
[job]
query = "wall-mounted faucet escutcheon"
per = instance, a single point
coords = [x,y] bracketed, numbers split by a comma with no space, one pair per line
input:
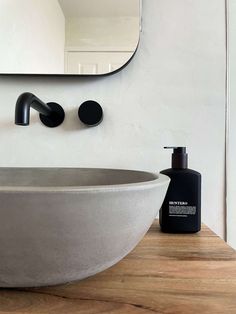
[90,113]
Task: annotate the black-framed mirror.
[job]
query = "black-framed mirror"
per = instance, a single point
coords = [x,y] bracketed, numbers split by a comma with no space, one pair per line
[67,37]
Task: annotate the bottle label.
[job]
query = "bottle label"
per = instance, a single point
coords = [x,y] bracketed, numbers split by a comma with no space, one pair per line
[181,209]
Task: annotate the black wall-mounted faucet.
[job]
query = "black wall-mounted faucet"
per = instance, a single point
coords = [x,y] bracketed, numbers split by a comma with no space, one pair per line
[50,114]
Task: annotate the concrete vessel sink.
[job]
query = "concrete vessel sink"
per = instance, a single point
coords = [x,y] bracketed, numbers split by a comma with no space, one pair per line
[62,225]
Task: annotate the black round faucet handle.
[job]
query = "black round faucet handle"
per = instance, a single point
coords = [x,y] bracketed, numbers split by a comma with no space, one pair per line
[55,118]
[90,113]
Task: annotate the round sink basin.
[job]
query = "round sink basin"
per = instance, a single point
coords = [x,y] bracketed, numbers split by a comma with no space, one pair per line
[62,225]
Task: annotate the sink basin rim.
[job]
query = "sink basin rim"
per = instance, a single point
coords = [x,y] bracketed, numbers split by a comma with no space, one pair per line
[158,179]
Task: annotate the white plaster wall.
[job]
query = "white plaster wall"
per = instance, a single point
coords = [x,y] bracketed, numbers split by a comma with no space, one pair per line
[231,165]
[103,33]
[32,36]
[172,93]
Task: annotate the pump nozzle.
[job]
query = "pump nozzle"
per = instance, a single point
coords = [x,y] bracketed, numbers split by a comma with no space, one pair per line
[179,157]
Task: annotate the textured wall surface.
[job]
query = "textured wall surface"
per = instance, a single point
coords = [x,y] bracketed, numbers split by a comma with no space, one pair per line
[172,93]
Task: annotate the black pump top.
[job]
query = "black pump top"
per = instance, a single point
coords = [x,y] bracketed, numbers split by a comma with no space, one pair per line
[179,157]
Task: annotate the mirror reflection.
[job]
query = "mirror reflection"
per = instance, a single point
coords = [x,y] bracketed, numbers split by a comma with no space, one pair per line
[74,37]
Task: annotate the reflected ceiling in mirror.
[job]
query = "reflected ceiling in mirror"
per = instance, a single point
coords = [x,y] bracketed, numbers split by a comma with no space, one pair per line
[67,37]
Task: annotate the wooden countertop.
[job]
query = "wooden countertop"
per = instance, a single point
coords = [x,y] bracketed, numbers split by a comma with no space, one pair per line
[165,274]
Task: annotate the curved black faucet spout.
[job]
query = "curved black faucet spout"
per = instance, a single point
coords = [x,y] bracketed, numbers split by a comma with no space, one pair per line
[51,114]
[23,104]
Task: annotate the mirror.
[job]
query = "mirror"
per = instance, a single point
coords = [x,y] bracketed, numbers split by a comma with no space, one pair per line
[67,37]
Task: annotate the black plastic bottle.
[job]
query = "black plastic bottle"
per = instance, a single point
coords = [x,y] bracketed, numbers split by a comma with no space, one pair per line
[181,210]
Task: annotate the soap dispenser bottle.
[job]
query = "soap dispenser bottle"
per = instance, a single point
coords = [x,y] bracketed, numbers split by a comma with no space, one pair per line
[181,210]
